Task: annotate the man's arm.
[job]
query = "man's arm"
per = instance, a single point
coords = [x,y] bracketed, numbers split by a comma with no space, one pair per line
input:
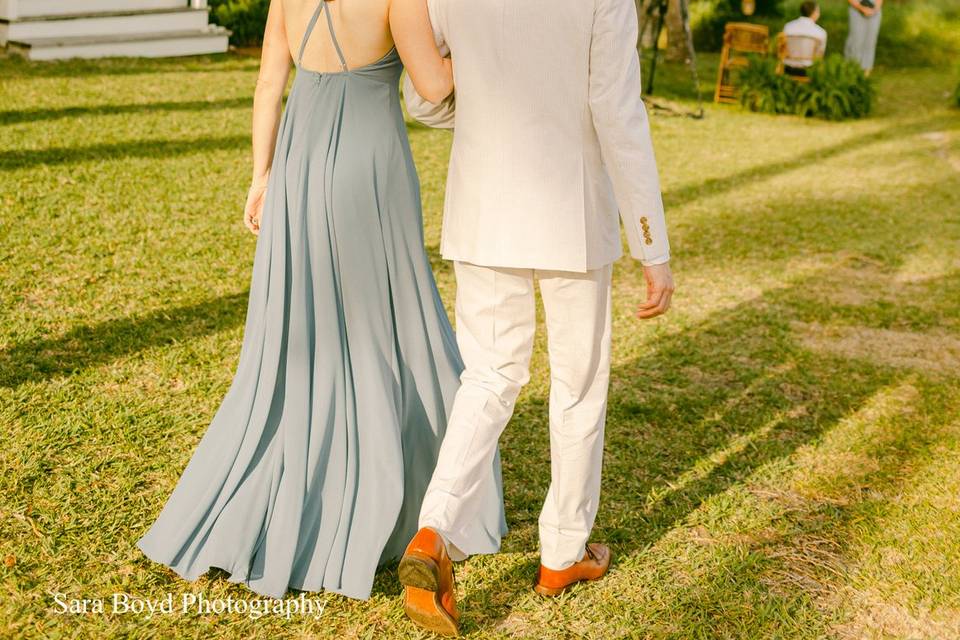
[620,120]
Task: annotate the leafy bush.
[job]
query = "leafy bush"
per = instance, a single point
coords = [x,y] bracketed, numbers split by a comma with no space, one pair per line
[837,90]
[245,18]
[956,95]
[765,91]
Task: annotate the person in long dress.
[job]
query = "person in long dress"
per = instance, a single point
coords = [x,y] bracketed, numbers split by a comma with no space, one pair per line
[313,469]
[861,45]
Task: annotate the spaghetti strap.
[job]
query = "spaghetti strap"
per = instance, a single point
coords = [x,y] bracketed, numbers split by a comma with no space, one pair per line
[333,36]
[322,6]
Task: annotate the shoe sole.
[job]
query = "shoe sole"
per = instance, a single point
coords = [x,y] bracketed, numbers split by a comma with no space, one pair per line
[420,577]
[553,592]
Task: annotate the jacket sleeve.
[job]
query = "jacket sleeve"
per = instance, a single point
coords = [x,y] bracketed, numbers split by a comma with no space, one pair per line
[439,115]
[620,119]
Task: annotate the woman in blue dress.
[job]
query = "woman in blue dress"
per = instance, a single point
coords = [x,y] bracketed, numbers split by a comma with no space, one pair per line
[861,45]
[312,471]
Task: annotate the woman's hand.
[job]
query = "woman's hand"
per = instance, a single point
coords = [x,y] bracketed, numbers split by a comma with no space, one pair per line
[267,104]
[866,12]
[253,210]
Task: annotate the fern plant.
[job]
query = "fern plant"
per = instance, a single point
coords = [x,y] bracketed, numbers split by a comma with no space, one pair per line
[837,90]
[764,91]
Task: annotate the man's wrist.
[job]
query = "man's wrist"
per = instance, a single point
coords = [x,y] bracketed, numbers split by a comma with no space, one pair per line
[650,262]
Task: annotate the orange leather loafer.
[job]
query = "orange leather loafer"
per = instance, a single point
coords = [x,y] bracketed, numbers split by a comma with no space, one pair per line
[596,562]
[426,573]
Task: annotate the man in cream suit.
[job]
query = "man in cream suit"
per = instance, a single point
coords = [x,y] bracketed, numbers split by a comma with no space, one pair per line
[551,151]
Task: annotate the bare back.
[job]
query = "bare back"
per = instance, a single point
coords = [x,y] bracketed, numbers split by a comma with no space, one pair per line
[362,27]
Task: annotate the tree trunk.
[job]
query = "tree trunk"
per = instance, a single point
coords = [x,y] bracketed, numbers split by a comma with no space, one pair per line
[646,29]
[676,39]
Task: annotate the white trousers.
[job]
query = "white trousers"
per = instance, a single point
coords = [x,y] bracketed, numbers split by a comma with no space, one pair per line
[496,322]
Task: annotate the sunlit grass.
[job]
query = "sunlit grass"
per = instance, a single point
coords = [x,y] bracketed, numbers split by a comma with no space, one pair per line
[782,449]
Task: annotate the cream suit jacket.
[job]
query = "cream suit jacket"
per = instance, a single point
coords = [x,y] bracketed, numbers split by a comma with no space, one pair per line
[551,139]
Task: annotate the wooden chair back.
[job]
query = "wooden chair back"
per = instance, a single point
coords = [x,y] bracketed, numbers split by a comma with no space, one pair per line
[802,49]
[739,40]
[746,37]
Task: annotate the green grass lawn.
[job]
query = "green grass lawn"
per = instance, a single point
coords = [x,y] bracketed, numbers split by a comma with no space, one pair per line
[783,450]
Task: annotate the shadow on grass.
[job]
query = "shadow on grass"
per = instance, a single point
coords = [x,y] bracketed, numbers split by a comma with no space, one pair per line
[812,544]
[92,345]
[714,186]
[14,68]
[16,116]
[154,149]
[705,410]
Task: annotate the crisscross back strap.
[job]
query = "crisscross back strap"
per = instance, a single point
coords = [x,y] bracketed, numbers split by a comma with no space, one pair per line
[322,6]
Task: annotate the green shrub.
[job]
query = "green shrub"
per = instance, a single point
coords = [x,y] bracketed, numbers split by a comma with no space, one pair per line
[837,90]
[956,95]
[763,90]
[245,18]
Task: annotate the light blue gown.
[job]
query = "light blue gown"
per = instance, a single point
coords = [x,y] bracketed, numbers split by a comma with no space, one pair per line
[314,467]
[861,45]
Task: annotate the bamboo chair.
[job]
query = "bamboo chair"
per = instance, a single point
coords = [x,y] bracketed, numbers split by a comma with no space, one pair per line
[739,39]
[799,48]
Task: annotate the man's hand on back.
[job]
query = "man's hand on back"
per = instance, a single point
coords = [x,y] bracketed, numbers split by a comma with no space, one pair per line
[659,291]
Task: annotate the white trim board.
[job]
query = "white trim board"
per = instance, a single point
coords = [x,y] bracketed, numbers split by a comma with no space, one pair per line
[144,46]
[18,9]
[93,25]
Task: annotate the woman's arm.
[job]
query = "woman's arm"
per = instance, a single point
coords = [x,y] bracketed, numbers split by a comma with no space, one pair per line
[267,106]
[432,75]
[867,11]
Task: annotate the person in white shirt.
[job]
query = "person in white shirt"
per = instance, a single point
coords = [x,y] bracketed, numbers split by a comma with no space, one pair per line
[802,52]
[551,152]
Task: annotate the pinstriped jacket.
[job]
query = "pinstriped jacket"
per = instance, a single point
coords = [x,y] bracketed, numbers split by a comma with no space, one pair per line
[551,146]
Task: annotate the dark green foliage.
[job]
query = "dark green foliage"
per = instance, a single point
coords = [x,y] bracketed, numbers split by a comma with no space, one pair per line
[956,95]
[911,34]
[708,17]
[838,90]
[245,18]
[763,90]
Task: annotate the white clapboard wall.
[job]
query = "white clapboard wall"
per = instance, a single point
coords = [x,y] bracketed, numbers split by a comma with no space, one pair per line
[56,29]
